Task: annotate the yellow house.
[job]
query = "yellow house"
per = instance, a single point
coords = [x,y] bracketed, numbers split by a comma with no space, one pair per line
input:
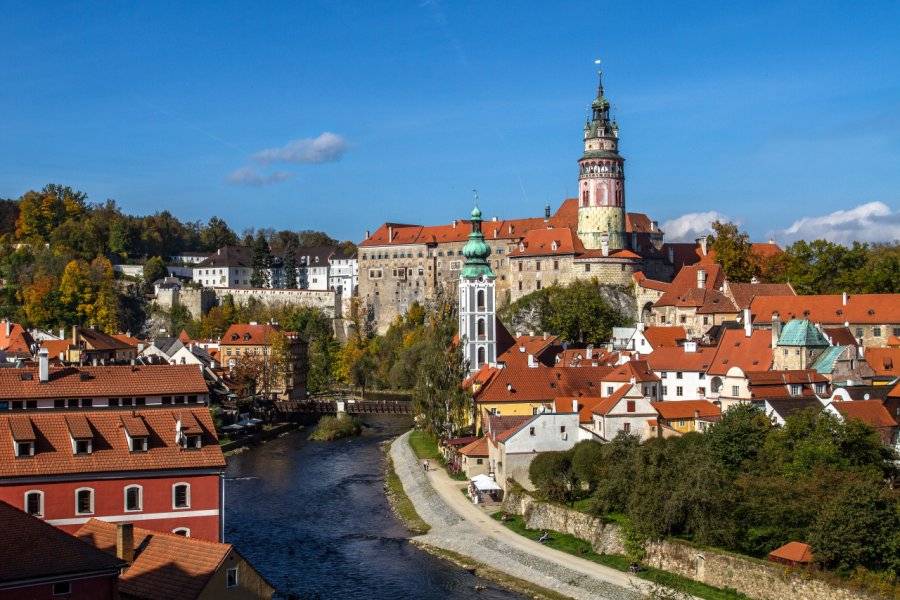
[684,416]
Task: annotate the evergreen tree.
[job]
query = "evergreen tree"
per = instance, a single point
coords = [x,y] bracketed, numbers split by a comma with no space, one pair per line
[262,262]
[733,251]
[290,266]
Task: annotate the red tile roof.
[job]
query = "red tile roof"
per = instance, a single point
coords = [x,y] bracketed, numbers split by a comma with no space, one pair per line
[774,384]
[127,339]
[56,347]
[497,424]
[31,549]
[686,409]
[53,453]
[793,552]
[477,448]
[607,403]
[586,406]
[19,341]
[102,382]
[548,242]
[508,433]
[245,334]
[676,359]
[736,350]
[840,336]
[517,382]
[884,361]
[744,293]
[664,336]
[638,370]
[166,566]
[97,340]
[875,309]
[650,284]
[684,292]
[895,392]
[870,412]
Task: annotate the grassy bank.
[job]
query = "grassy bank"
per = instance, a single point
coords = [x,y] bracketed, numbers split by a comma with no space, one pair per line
[581,548]
[400,502]
[334,428]
[424,445]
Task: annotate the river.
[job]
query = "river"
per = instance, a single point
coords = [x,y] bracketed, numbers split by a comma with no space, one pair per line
[312,517]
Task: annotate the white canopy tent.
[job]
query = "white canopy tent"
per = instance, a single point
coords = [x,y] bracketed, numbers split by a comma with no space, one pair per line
[483,483]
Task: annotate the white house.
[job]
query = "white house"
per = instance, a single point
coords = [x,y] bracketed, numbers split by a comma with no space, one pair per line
[682,370]
[313,267]
[510,452]
[647,339]
[344,274]
[628,409]
[227,267]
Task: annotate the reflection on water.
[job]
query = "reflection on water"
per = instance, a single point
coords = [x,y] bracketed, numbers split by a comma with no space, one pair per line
[312,517]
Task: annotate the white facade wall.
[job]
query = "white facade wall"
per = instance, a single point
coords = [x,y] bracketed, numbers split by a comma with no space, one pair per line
[223,277]
[692,385]
[344,275]
[620,418]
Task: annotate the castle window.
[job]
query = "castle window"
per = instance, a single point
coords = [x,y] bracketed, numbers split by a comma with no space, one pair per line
[479,302]
[587,267]
[480,360]
[480,328]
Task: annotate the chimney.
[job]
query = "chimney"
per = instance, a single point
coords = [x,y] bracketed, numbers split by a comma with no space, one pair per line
[671,254]
[219,252]
[748,324]
[43,365]
[532,363]
[690,346]
[574,405]
[547,212]
[634,244]
[125,542]
[390,233]
[776,329]
[62,333]
[74,334]
[589,352]
[754,280]
[454,223]
[844,298]
[654,225]
[702,243]
[368,234]
[8,325]
[701,278]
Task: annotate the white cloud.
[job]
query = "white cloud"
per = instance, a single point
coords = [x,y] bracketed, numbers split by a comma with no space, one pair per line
[869,222]
[327,147]
[250,176]
[691,226]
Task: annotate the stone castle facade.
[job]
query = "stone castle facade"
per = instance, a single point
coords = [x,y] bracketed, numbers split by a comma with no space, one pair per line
[590,237]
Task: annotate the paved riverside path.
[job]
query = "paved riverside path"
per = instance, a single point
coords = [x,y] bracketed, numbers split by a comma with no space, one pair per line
[460,526]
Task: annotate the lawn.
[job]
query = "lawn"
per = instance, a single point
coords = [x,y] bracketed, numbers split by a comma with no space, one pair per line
[401,502]
[424,445]
[578,547]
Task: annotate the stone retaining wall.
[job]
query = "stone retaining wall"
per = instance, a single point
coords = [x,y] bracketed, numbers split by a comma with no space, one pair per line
[757,579]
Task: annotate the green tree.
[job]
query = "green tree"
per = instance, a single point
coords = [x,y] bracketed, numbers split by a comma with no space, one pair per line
[262,262]
[739,436]
[290,267]
[217,234]
[154,269]
[551,473]
[733,251]
[587,463]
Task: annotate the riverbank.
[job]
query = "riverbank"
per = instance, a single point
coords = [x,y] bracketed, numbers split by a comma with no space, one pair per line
[259,437]
[460,528]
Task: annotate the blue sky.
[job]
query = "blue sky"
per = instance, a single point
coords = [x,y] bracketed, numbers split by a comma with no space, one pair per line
[764,113]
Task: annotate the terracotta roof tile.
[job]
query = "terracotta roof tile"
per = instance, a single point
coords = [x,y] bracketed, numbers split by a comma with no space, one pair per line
[586,406]
[664,336]
[56,347]
[607,403]
[840,336]
[677,359]
[737,350]
[638,370]
[650,284]
[870,412]
[19,341]
[548,242]
[744,293]
[32,549]
[884,361]
[78,426]
[127,339]
[104,381]
[53,453]
[796,552]
[686,409]
[135,425]
[245,334]
[166,566]
[21,429]
[477,448]
[876,309]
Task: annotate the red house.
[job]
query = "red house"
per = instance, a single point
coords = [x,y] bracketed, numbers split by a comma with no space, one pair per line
[160,467]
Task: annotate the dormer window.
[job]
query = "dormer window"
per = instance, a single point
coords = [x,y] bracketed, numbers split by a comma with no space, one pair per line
[83,446]
[24,449]
[138,444]
[795,389]
[193,441]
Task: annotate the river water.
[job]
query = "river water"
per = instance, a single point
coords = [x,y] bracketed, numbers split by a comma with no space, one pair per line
[313,519]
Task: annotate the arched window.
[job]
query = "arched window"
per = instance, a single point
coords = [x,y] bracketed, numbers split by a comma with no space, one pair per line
[84,501]
[183,531]
[134,498]
[481,328]
[481,355]
[34,503]
[584,198]
[181,495]
[479,299]
[716,384]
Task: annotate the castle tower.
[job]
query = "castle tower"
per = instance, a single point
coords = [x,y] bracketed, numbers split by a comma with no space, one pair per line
[477,317]
[601,180]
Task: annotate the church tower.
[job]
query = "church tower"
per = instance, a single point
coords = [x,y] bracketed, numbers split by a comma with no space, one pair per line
[601,180]
[477,316]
